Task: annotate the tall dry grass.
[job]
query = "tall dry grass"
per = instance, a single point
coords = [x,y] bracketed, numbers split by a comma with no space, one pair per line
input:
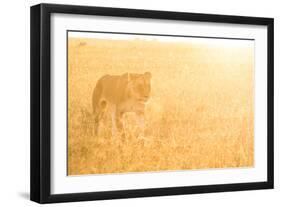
[200,114]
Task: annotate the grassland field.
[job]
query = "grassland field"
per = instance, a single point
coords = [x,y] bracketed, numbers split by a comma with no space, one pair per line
[200,115]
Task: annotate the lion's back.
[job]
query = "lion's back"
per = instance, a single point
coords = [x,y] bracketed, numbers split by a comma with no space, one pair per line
[110,88]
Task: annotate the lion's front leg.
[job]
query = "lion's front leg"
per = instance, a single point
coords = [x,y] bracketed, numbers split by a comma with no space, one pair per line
[141,123]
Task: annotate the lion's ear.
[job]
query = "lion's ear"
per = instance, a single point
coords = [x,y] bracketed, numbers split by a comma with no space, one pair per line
[147,75]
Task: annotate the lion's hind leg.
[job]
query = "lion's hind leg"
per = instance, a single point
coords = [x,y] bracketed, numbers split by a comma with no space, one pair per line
[98,116]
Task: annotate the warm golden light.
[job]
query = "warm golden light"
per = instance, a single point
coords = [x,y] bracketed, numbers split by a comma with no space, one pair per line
[200,114]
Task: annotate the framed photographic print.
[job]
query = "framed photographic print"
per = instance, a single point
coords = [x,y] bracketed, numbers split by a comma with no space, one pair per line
[132,103]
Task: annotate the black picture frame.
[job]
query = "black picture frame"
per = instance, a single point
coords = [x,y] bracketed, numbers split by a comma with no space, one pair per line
[41,97]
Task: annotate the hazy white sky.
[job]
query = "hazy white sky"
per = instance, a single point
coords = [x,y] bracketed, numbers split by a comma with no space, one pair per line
[213,41]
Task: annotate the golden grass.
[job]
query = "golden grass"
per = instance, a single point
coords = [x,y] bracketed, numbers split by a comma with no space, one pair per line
[201,114]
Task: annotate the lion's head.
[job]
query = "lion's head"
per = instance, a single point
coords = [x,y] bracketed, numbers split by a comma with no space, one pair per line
[140,86]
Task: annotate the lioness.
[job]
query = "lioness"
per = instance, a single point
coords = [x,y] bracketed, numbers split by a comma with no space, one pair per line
[119,94]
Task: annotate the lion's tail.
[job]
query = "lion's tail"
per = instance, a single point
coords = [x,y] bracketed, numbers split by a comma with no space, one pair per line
[97,103]
[96,96]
